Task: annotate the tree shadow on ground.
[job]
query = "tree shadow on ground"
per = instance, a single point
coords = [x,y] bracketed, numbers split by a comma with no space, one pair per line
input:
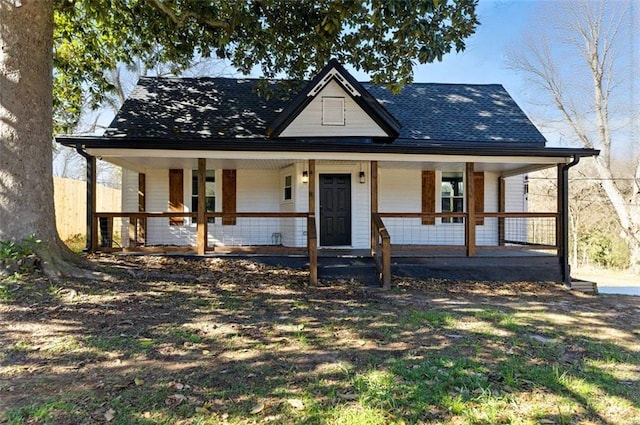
[233,340]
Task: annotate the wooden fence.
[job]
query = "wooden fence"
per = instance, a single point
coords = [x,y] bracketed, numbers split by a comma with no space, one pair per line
[71,205]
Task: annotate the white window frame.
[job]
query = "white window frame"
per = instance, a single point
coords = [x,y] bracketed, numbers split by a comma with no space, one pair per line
[443,176]
[285,187]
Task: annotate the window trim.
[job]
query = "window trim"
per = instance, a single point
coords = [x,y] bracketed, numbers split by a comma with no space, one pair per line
[284,198]
[460,180]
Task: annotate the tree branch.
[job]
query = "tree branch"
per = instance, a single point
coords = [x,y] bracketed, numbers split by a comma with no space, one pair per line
[185,15]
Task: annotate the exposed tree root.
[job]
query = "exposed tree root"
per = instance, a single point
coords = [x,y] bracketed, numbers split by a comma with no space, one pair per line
[58,262]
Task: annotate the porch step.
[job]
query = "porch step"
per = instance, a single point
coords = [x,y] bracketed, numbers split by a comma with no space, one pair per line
[360,269]
[584,286]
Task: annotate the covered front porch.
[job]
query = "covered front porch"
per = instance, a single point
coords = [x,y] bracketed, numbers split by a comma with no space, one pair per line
[391,219]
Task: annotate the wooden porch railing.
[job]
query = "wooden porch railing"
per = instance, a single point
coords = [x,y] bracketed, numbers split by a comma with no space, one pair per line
[480,216]
[312,248]
[103,223]
[381,240]
[381,249]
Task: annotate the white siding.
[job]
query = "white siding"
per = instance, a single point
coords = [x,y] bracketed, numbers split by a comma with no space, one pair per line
[293,231]
[129,190]
[487,233]
[262,191]
[157,197]
[400,190]
[515,201]
[256,191]
[309,122]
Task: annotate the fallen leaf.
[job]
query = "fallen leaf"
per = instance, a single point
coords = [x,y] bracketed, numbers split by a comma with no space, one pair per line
[257,408]
[178,386]
[296,403]
[138,381]
[174,400]
[109,415]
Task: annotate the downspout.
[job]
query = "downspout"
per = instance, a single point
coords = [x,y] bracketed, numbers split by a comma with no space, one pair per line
[564,259]
[89,201]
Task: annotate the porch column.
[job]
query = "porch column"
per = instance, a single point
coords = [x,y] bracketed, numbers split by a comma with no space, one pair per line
[501,208]
[92,228]
[312,186]
[470,222]
[559,208]
[374,201]
[201,241]
[312,241]
[142,206]
[562,222]
[374,186]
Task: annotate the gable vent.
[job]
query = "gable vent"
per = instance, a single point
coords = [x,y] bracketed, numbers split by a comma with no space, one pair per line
[333,111]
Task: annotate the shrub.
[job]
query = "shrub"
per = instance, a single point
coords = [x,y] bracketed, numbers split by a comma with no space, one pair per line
[18,256]
[605,250]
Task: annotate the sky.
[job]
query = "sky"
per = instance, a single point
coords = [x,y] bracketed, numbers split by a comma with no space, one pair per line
[504,25]
[482,61]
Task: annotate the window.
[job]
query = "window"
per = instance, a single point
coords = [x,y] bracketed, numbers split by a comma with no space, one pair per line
[287,194]
[333,111]
[452,195]
[210,192]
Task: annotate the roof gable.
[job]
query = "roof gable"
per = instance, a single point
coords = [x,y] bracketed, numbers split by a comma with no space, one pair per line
[334,82]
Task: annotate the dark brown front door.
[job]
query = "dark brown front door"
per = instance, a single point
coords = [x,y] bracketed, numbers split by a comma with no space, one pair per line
[335,209]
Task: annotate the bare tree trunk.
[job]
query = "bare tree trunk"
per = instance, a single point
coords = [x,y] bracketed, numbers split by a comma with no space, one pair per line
[593,31]
[26,183]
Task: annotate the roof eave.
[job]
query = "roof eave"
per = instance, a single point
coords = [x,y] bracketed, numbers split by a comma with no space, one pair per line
[360,145]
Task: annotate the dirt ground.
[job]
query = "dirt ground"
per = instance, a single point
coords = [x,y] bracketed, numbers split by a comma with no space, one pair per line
[607,277]
[96,339]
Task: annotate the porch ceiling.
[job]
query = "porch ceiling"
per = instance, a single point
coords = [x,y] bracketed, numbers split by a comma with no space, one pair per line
[143,164]
[496,164]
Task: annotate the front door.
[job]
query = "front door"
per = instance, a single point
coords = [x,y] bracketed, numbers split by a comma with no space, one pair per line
[335,209]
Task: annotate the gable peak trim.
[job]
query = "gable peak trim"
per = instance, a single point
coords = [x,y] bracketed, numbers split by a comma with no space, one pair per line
[333,74]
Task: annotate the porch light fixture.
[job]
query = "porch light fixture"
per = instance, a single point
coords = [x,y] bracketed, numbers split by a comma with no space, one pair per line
[305,176]
[361,176]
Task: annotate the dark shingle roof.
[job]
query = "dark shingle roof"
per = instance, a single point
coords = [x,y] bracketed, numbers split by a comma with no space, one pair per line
[222,108]
[458,112]
[194,107]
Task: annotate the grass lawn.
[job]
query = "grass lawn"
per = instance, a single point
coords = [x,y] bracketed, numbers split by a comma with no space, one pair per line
[175,341]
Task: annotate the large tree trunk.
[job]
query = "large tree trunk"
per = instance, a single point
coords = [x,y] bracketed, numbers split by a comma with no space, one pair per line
[26,183]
